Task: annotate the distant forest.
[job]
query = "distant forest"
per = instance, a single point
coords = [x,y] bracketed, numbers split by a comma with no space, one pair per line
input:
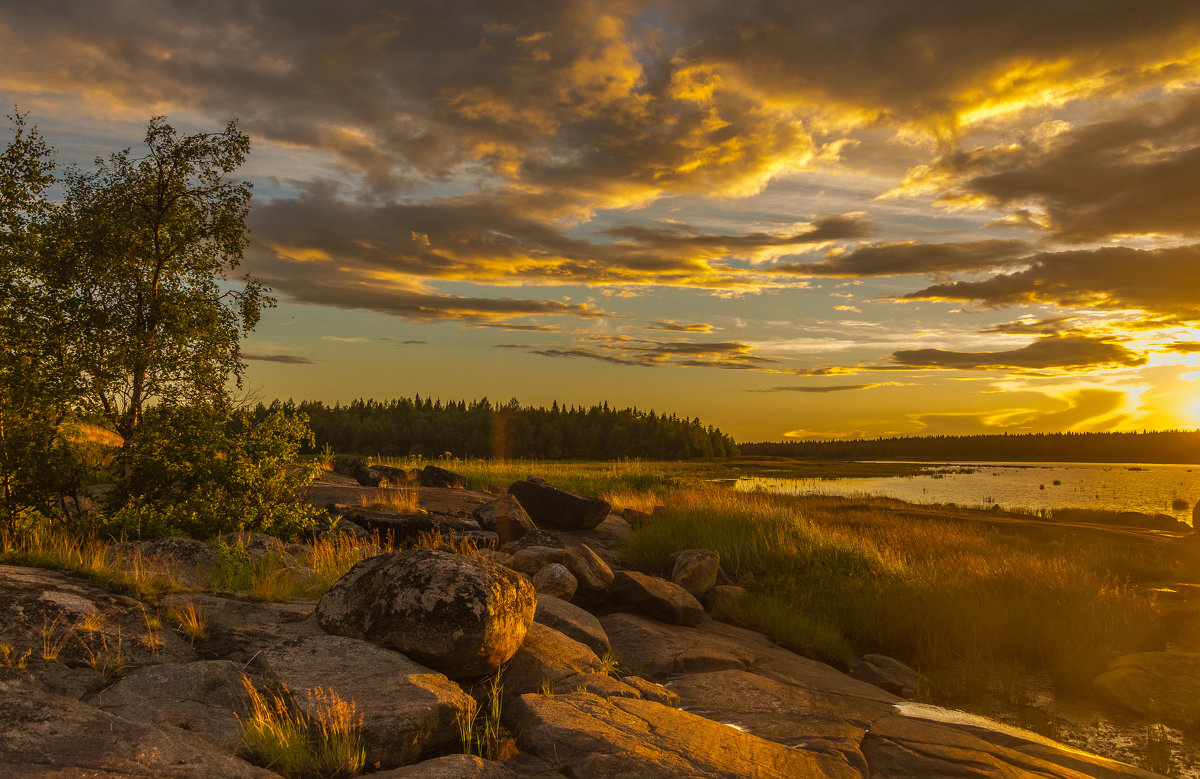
[1177,446]
[481,429]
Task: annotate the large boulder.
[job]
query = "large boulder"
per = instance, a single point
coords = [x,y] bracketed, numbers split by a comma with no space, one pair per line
[571,620]
[696,570]
[460,615]
[407,710]
[592,736]
[657,598]
[433,476]
[558,508]
[505,518]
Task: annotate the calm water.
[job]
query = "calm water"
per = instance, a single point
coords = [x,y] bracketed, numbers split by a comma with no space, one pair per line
[1020,486]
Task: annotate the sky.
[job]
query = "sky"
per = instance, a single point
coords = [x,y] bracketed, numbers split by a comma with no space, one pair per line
[821,219]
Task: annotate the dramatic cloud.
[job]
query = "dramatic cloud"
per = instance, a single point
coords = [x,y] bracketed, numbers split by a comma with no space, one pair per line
[1158,281]
[494,240]
[1030,326]
[914,258]
[286,359]
[1051,352]
[698,166]
[827,388]
[1134,175]
[1185,347]
[679,327]
[625,350]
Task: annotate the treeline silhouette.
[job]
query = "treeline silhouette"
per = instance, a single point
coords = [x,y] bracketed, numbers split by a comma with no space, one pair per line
[480,428]
[1172,446]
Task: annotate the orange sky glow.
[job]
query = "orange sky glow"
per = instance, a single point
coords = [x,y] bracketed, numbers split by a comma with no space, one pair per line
[830,219]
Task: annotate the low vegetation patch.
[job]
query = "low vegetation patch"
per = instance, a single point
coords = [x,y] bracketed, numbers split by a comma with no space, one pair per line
[959,599]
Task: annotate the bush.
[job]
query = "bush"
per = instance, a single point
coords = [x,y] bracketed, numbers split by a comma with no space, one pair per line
[206,471]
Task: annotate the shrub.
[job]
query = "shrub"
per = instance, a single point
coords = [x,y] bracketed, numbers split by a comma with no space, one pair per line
[206,471]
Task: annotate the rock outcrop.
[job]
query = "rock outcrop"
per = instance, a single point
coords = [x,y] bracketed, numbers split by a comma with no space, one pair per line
[52,735]
[461,616]
[594,736]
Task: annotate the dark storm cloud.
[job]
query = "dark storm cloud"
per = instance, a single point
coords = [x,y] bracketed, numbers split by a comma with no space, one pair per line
[1050,352]
[922,60]
[1128,176]
[286,359]
[913,258]
[1163,282]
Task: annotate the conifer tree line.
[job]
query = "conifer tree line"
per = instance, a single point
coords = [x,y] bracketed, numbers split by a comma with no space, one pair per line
[428,427]
[1164,446]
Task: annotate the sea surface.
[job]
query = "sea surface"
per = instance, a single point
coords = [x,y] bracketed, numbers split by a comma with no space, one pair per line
[1031,487]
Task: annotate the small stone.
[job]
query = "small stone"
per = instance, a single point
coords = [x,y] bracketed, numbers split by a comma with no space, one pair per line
[696,570]
[555,580]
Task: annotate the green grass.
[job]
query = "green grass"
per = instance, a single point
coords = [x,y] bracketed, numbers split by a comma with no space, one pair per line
[961,601]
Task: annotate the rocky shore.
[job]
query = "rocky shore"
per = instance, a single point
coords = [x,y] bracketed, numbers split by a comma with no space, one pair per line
[604,671]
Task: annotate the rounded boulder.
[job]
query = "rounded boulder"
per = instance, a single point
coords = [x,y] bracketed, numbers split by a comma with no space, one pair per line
[462,616]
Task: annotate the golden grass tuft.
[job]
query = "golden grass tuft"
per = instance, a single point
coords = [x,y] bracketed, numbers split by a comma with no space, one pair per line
[277,735]
[402,500]
[191,621]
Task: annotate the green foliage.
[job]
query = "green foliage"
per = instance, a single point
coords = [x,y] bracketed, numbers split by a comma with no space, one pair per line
[147,242]
[38,370]
[203,472]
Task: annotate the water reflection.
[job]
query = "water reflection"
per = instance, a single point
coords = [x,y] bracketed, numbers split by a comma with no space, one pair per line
[1033,487]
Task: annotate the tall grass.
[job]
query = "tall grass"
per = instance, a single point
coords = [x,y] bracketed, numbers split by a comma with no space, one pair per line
[277,735]
[960,600]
